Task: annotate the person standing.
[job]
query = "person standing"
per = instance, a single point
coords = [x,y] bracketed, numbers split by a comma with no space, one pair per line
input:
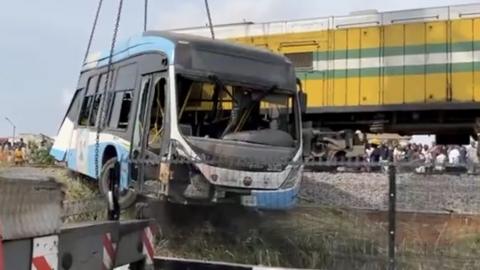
[8,151]
[19,157]
[472,157]
[441,159]
[454,155]
[2,153]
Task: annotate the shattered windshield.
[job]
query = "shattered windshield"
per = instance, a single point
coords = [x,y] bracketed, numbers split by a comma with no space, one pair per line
[212,109]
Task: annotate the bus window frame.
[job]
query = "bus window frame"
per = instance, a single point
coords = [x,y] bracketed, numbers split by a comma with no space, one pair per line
[119,86]
[94,78]
[100,83]
[74,118]
[112,110]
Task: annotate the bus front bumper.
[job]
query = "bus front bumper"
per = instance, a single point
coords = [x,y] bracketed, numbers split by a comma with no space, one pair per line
[272,199]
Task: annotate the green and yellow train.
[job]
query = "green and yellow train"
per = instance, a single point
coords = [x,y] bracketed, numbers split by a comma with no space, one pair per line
[407,72]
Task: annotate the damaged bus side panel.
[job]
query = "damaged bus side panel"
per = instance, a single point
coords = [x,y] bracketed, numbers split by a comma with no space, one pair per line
[190,120]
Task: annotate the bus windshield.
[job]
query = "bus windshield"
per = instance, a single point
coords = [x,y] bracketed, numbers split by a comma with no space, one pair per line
[235,112]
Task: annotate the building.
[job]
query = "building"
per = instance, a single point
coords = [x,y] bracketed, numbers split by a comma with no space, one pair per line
[38,139]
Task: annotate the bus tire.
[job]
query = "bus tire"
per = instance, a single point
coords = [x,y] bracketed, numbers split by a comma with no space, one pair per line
[127,197]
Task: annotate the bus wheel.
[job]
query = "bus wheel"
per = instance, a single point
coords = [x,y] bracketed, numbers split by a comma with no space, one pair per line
[127,197]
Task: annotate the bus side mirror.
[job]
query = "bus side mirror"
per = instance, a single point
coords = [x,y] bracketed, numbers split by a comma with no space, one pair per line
[302,96]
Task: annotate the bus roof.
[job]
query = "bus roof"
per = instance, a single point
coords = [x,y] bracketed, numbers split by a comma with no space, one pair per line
[189,52]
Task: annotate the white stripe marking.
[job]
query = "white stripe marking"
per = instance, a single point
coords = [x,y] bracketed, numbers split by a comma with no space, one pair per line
[149,234]
[393,61]
[436,58]
[398,60]
[339,64]
[464,57]
[476,56]
[353,63]
[415,60]
[107,261]
[373,62]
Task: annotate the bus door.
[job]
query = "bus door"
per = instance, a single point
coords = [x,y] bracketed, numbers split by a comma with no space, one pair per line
[150,131]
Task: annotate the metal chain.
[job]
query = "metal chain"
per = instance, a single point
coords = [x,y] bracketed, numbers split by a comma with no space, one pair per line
[94,26]
[107,84]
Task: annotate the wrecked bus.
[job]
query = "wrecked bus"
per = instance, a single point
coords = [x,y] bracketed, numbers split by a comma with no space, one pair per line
[187,119]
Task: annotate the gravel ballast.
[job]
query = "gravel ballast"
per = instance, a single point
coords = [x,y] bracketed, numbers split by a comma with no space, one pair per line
[415,192]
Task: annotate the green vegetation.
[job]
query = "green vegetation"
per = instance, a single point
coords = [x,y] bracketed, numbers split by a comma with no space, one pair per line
[40,155]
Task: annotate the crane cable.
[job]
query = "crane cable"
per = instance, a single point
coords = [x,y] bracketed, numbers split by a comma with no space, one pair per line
[145,16]
[210,24]
[108,83]
[94,26]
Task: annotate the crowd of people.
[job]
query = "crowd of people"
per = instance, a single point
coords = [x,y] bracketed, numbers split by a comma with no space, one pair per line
[18,153]
[13,153]
[424,157]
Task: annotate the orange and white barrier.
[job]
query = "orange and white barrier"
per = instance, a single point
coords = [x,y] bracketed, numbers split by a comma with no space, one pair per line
[45,253]
[148,245]
[109,250]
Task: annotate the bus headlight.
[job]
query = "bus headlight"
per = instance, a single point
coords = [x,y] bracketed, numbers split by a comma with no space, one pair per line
[292,178]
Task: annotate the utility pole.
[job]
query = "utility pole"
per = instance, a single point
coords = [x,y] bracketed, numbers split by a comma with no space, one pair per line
[13,126]
[209,19]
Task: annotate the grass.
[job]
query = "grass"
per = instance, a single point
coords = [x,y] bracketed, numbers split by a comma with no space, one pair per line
[311,238]
[81,196]
[326,238]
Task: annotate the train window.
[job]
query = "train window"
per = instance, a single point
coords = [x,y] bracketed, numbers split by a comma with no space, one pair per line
[303,60]
[122,103]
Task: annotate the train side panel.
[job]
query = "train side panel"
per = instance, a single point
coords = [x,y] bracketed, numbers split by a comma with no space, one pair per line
[404,57]
[411,71]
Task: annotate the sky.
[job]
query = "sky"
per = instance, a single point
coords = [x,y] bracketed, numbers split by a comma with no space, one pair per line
[43,42]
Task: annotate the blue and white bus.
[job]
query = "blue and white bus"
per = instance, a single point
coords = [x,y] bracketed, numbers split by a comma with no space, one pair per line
[186,98]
